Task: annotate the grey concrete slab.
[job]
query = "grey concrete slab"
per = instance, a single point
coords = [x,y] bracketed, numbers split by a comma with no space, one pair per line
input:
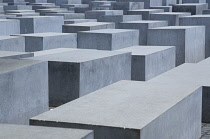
[24,14]
[193,8]
[68,15]
[52,51]
[14,55]
[169,2]
[150,61]
[87,26]
[7,43]
[74,21]
[171,17]
[165,8]
[189,41]
[119,18]
[79,72]
[49,40]
[24,90]
[18,7]
[108,39]
[36,1]
[144,12]
[59,2]
[134,110]
[8,27]
[127,6]
[40,24]
[194,1]
[95,14]
[143,27]
[199,20]
[35,132]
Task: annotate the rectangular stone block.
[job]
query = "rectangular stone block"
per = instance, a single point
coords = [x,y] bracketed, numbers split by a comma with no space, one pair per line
[7,43]
[35,132]
[108,39]
[40,24]
[169,2]
[14,55]
[95,14]
[45,41]
[18,7]
[24,90]
[165,111]
[74,21]
[150,61]
[171,17]
[60,2]
[143,27]
[79,72]
[199,20]
[165,8]
[193,8]
[194,1]
[87,26]
[8,27]
[68,15]
[36,1]
[127,6]
[23,14]
[189,41]
[145,12]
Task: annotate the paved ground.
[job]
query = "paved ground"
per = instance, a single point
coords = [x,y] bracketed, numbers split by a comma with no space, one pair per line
[205,131]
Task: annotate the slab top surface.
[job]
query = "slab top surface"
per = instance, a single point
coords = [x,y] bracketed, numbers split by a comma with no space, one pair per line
[89,24]
[113,106]
[108,31]
[36,132]
[47,34]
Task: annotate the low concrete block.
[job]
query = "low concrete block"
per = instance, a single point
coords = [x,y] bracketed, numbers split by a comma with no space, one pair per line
[165,8]
[158,115]
[108,39]
[68,15]
[95,14]
[189,41]
[127,6]
[78,72]
[45,41]
[171,17]
[20,132]
[193,8]
[7,43]
[24,90]
[74,21]
[150,61]
[40,24]
[143,27]
[14,55]
[74,28]
[8,27]
[145,12]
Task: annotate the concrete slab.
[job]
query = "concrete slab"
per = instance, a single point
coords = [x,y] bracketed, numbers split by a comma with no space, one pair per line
[189,41]
[95,14]
[108,39]
[127,6]
[76,73]
[24,90]
[150,61]
[74,21]
[87,26]
[35,132]
[8,27]
[7,43]
[113,112]
[14,55]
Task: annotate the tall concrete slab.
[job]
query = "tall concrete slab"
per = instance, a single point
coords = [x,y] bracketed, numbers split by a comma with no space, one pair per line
[8,27]
[189,41]
[7,43]
[24,90]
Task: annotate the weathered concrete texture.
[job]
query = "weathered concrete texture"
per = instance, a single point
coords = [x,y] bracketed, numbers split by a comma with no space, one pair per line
[171,17]
[165,8]
[158,115]
[24,14]
[199,20]
[24,90]
[14,55]
[169,2]
[74,28]
[95,14]
[194,1]
[150,61]
[45,41]
[189,41]
[8,27]
[143,27]
[126,6]
[74,21]
[145,12]
[193,8]
[119,18]
[37,132]
[108,39]
[53,51]
[18,7]
[78,72]
[7,43]
[39,24]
